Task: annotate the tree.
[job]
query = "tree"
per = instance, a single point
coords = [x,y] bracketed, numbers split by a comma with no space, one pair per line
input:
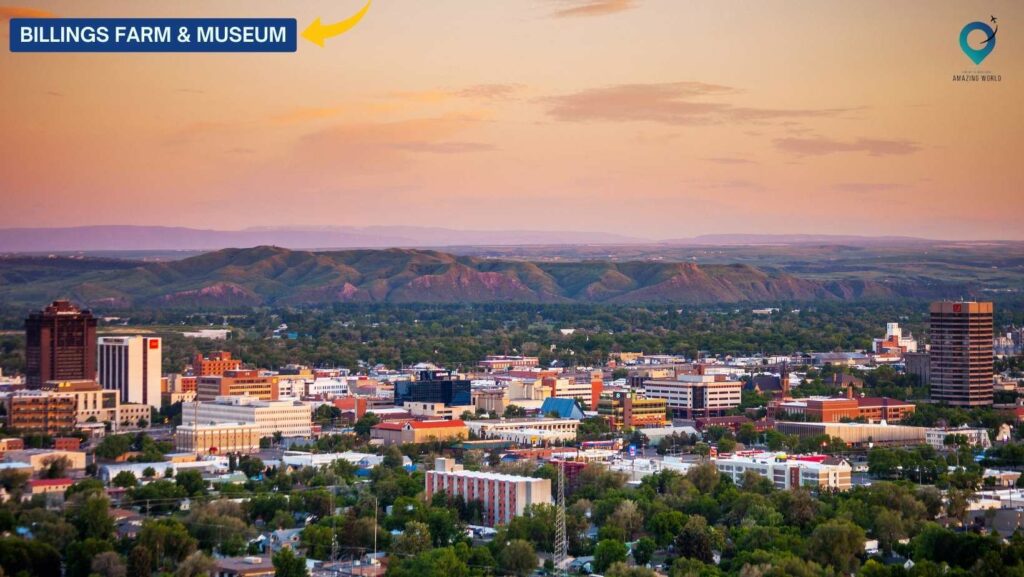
[643,551]
[79,555]
[168,541]
[56,467]
[197,564]
[518,557]
[288,564]
[251,466]
[622,570]
[149,472]
[888,529]
[609,552]
[113,446]
[124,479]
[627,517]
[747,434]
[837,543]
[90,514]
[415,539]
[365,423]
[192,482]
[109,564]
[140,561]
[393,457]
[696,540]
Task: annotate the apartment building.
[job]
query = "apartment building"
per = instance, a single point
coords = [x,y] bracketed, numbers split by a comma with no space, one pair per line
[491,428]
[40,412]
[502,497]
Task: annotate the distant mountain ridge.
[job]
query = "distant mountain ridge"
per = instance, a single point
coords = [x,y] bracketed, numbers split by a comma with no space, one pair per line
[124,237]
[276,276]
[169,238]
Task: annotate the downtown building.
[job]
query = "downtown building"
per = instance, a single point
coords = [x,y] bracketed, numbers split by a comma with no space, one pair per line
[238,382]
[290,418]
[960,356]
[701,395]
[60,344]
[133,366]
[501,497]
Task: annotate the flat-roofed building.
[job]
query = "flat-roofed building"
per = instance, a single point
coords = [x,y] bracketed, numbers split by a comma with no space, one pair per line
[217,363]
[857,434]
[696,395]
[974,437]
[93,403]
[790,472]
[40,459]
[961,354]
[133,366]
[40,412]
[60,344]
[837,409]
[504,362]
[502,497]
[217,439]
[235,383]
[490,428]
[395,433]
[627,410]
[290,418]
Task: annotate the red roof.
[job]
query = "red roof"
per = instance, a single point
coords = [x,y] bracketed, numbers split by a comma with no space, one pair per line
[50,482]
[436,424]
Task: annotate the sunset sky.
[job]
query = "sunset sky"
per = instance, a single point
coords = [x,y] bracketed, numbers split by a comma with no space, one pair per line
[650,118]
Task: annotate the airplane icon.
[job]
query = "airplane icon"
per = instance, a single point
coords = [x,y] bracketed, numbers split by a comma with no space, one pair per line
[993,19]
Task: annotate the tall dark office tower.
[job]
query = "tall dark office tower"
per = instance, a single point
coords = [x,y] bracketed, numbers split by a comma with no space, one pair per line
[60,344]
[961,353]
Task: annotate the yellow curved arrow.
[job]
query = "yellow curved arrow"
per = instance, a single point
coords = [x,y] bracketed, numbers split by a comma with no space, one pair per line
[317,32]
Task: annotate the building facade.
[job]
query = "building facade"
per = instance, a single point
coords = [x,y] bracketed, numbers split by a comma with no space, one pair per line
[699,395]
[217,363]
[290,418]
[502,496]
[133,366]
[60,344]
[811,471]
[434,386]
[237,382]
[40,412]
[961,353]
[217,439]
[624,410]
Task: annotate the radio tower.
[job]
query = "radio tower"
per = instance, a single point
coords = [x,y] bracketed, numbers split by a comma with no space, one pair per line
[561,552]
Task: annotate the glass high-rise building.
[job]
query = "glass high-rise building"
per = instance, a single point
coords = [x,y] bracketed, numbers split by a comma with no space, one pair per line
[960,357]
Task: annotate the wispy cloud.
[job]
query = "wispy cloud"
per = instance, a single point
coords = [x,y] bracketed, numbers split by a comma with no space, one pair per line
[444,147]
[676,103]
[576,8]
[817,146]
[728,160]
[865,187]
[490,91]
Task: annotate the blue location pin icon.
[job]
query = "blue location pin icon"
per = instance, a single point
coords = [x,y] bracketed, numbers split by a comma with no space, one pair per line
[978,54]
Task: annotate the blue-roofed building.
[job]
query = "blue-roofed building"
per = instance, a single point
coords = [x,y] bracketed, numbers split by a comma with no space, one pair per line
[564,408]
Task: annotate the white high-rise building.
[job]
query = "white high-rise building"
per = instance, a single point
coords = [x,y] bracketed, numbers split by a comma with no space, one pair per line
[133,366]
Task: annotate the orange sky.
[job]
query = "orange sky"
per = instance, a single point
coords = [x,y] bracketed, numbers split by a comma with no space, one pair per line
[650,118]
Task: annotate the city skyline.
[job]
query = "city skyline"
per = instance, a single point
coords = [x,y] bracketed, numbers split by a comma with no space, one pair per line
[645,118]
